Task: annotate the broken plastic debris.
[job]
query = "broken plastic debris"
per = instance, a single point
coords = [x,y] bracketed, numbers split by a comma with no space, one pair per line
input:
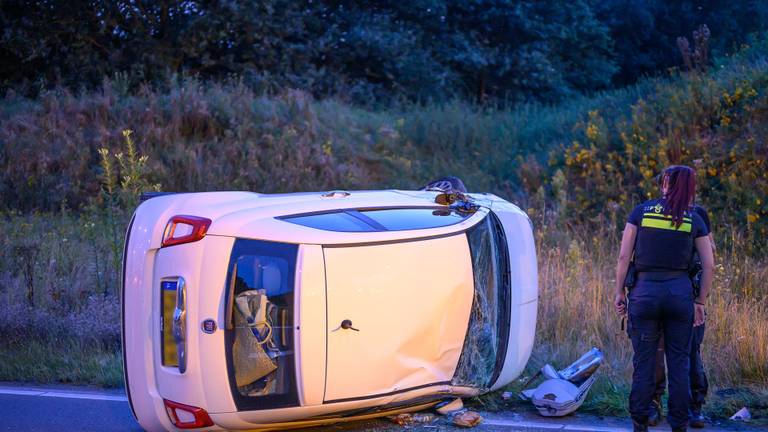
[549,372]
[558,397]
[563,391]
[467,419]
[583,368]
[407,419]
[402,419]
[742,414]
[423,418]
[506,395]
[451,406]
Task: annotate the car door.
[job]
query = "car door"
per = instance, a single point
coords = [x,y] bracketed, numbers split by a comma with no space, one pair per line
[397,315]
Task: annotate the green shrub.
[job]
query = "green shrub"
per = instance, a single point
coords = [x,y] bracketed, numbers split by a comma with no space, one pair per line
[716,124]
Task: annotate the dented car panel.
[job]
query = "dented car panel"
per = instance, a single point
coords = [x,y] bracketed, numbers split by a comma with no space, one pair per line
[410,302]
[317,308]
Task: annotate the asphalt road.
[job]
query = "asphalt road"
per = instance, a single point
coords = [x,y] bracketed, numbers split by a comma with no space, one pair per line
[29,408]
[32,409]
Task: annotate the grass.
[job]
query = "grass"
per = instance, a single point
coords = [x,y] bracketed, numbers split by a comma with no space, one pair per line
[60,318]
[63,361]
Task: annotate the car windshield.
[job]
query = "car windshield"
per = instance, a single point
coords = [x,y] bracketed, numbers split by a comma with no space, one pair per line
[485,345]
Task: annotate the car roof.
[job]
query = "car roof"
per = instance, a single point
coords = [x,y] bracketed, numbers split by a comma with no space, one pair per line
[255,215]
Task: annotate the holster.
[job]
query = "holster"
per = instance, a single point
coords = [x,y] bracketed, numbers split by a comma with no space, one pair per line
[695,270]
[630,280]
[628,320]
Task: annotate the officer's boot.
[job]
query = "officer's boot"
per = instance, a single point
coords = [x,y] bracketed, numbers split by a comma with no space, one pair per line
[654,417]
[696,419]
[638,427]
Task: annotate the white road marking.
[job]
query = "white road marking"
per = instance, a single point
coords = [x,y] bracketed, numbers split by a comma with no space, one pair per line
[62,394]
[94,396]
[552,426]
[12,391]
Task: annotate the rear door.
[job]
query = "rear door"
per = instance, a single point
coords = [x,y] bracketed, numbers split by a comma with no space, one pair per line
[397,315]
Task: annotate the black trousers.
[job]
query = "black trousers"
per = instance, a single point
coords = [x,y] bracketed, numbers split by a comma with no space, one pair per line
[698,378]
[656,308]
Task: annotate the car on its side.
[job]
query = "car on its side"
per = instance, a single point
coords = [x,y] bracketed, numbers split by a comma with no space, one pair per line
[260,311]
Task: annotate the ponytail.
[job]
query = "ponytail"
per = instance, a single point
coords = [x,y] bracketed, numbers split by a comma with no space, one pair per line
[681,191]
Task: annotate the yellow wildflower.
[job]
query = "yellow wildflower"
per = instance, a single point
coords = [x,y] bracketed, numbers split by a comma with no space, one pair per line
[592,131]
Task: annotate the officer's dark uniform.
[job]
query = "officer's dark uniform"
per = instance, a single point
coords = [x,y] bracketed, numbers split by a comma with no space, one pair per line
[662,303]
[698,378]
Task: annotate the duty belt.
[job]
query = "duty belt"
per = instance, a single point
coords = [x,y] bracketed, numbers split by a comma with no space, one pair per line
[661,275]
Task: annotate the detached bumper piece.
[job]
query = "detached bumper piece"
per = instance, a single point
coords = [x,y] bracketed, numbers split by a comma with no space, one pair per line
[565,390]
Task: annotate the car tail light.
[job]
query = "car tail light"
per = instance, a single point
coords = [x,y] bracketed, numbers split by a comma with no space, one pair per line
[187,416]
[185,229]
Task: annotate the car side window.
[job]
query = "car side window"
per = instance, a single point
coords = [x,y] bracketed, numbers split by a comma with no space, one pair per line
[389,219]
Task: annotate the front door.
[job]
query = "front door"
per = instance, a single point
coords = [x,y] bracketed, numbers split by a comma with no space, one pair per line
[397,315]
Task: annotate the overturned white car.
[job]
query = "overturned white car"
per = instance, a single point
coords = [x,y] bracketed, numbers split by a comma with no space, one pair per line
[247,311]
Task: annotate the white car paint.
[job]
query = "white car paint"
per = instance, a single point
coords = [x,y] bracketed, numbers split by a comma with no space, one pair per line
[413,299]
[416,301]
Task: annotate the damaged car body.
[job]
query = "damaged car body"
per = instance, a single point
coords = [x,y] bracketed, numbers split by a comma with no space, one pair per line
[258,311]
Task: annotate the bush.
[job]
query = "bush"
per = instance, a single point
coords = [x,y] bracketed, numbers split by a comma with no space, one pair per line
[714,123]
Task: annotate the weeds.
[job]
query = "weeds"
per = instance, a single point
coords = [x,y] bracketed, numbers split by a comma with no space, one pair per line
[71,331]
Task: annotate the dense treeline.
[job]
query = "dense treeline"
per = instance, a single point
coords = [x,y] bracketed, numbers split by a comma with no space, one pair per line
[497,50]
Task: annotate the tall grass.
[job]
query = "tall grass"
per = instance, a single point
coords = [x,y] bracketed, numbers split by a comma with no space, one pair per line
[60,313]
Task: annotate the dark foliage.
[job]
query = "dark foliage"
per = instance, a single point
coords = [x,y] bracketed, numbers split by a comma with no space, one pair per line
[645,32]
[482,50]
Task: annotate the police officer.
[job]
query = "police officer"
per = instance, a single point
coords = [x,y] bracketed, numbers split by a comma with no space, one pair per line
[662,234]
[698,378]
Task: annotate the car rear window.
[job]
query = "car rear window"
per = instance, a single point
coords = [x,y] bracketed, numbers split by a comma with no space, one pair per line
[260,324]
[368,220]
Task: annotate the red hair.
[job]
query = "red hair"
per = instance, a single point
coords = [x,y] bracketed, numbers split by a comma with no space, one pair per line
[681,191]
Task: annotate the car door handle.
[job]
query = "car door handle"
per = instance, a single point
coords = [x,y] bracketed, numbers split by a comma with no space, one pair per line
[347,325]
